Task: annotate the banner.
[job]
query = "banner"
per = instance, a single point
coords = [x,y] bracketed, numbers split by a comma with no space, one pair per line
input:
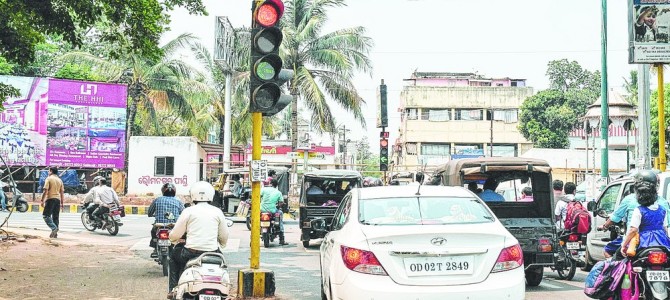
[64,123]
[648,31]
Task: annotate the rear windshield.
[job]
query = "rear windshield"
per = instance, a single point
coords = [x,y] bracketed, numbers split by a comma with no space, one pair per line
[423,210]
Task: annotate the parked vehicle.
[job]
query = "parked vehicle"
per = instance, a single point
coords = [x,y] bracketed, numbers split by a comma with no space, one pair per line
[317,210]
[16,200]
[419,242]
[163,245]
[110,221]
[530,222]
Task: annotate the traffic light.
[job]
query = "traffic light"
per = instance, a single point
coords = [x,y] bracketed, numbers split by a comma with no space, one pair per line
[267,75]
[383,155]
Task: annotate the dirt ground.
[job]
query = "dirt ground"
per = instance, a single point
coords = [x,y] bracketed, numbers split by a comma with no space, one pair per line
[44,269]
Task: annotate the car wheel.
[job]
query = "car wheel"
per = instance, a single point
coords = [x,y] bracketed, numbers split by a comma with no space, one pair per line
[588,261]
[305,244]
[534,276]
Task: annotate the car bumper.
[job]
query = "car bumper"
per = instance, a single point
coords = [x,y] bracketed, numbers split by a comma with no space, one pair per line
[504,285]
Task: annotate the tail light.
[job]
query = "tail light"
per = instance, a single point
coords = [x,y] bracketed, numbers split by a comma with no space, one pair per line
[509,258]
[657,258]
[361,261]
[544,245]
[265,217]
[573,238]
[163,234]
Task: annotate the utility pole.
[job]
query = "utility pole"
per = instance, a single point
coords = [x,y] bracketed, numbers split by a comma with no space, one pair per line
[661,119]
[644,143]
[604,120]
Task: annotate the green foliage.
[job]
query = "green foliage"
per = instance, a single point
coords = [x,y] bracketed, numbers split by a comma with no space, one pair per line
[653,117]
[630,85]
[5,67]
[77,72]
[7,91]
[547,117]
[140,23]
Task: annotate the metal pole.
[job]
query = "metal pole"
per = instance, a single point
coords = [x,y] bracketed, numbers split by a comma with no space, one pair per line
[661,119]
[257,124]
[491,129]
[644,144]
[344,139]
[227,134]
[604,121]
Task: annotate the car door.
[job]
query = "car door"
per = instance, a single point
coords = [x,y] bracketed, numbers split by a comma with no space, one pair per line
[608,201]
[326,251]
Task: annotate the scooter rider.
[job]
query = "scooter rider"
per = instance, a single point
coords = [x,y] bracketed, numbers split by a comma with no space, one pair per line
[625,210]
[205,229]
[271,201]
[104,197]
[161,205]
[91,195]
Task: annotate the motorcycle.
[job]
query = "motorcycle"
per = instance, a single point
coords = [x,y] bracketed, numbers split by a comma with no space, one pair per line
[110,220]
[653,269]
[163,245]
[570,255]
[204,277]
[270,228]
[17,200]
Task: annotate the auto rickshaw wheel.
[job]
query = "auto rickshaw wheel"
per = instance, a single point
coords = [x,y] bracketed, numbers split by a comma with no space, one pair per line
[534,276]
[305,244]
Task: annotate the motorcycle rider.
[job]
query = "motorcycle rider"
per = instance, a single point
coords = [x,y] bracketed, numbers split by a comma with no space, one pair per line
[91,195]
[643,179]
[271,202]
[205,229]
[105,196]
[161,205]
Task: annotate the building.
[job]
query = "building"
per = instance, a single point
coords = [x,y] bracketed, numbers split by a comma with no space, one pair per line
[447,115]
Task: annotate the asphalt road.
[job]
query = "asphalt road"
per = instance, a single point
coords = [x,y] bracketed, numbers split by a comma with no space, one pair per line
[296,268]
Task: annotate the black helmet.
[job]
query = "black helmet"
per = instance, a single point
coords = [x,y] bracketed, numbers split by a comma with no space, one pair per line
[647,176]
[169,188]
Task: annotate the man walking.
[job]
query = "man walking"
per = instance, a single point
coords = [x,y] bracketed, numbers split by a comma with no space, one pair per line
[53,194]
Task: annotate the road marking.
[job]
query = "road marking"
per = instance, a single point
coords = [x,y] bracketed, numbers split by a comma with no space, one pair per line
[549,285]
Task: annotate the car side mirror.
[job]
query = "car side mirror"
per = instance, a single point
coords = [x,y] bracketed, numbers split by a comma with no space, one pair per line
[591,206]
[602,213]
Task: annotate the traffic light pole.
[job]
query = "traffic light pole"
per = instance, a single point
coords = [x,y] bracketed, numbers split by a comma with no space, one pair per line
[661,119]
[257,125]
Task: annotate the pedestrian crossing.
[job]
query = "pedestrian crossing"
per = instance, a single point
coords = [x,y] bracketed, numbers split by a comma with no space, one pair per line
[68,222]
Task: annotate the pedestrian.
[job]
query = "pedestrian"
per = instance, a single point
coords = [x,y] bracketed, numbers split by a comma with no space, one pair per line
[52,200]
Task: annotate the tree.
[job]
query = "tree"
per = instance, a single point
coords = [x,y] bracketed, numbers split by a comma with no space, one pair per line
[323,64]
[368,162]
[547,117]
[631,87]
[653,117]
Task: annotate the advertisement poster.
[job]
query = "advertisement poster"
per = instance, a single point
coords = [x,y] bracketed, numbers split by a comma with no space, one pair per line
[64,123]
[648,31]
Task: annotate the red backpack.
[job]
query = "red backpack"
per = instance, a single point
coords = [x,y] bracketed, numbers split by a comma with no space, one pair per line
[577,218]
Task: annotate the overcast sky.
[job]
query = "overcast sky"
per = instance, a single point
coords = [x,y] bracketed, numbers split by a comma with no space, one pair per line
[514,38]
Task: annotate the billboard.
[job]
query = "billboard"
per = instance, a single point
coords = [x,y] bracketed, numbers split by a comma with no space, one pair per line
[64,123]
[648,31]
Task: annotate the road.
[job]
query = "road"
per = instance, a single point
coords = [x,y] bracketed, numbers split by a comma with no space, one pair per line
[296,268]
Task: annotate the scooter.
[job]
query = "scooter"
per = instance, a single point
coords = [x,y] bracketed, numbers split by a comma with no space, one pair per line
[651,265]
[17,200]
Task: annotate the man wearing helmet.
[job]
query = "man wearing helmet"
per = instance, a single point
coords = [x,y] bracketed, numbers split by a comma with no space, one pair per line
[204,226]
[90,196]
[167,203]
[646,184]
[104,196]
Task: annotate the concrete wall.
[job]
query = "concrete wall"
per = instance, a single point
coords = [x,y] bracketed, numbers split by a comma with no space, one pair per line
[141,159]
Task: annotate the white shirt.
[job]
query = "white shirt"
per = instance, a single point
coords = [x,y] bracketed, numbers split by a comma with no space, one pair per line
[105,195]
[561,209]
[205,228]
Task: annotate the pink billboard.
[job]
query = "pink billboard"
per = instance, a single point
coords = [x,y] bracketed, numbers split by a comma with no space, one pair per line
[64,123]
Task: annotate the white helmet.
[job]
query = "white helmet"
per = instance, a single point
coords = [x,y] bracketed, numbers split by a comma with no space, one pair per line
[97,179]
[202,191]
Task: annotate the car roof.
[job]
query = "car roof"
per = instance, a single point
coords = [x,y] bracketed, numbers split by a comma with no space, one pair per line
[399,191]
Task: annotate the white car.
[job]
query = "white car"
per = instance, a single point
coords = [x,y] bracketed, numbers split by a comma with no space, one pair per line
[419,242]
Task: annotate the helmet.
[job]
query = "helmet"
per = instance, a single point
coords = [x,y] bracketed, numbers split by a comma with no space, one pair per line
[202,191]
[168,187]
[647,176]
[97,180]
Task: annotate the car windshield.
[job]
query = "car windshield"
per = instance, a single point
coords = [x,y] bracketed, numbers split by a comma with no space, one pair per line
[422,210]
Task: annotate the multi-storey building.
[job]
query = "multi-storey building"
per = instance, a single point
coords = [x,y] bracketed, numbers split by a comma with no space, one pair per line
[450,115]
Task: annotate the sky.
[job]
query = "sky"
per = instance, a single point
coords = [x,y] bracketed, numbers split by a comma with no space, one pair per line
[514,38]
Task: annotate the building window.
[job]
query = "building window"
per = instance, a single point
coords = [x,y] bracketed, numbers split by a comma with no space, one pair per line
[411,148]
[164,166]
[468,149]
[411,113]
[505,115]
[435,115]
[508,150]
[468,114]
[435,149]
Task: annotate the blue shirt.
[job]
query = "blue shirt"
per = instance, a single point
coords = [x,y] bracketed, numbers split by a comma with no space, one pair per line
[164,204]
[491,196]
[629,203]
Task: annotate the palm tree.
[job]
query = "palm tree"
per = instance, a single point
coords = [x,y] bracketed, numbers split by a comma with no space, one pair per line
[323,64]
[167,82]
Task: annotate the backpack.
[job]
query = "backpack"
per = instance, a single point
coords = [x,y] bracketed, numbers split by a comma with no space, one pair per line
[604,279]
[577,218]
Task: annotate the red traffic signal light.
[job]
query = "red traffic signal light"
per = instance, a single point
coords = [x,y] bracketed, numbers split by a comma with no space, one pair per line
[267,14]
[383,143]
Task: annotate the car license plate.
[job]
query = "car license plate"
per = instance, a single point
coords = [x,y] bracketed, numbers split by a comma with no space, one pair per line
[265,224]
[209,297]
[658,276]
[117,218]
[428,266]
[572,245]
[164,243]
